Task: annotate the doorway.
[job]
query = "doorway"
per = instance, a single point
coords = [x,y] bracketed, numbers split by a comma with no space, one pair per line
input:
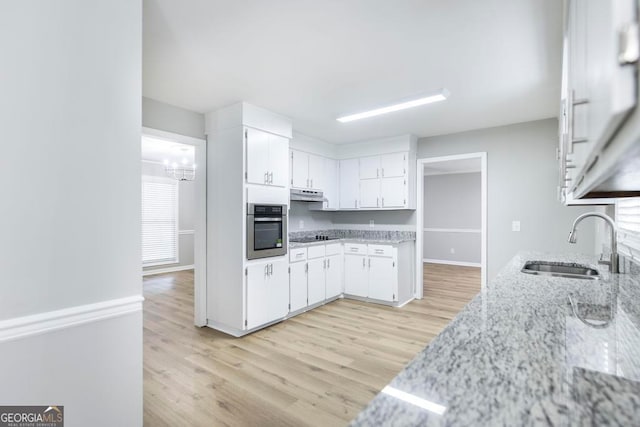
[174,221]
[451,221]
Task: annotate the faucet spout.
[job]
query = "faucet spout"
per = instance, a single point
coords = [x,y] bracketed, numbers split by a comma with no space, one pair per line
[614,266]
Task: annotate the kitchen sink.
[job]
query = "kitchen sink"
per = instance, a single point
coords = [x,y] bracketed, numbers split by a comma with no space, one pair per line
[560,269]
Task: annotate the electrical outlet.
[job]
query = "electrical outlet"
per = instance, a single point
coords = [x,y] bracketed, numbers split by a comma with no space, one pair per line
[371,223]
[301,224]
[453,250]
[515,226]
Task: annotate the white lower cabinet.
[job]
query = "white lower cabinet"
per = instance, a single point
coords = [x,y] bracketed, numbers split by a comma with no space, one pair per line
[267,292]
[334,276]
[298,286]
[356,275]
[383,279]
[316,280]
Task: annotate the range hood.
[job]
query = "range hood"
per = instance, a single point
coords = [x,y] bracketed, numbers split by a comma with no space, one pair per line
[299,195]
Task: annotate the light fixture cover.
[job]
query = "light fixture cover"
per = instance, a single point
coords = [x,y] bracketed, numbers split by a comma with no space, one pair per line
[441,95]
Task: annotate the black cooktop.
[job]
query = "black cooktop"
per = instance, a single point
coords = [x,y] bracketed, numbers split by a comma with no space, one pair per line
[317,238]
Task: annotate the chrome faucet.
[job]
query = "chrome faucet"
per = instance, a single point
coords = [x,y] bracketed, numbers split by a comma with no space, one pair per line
[613,263]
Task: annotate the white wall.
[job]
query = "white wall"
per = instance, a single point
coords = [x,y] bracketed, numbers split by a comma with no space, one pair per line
[311,220]
[186,218]
[70,125]
[161,116]
[453,201]
[522,179]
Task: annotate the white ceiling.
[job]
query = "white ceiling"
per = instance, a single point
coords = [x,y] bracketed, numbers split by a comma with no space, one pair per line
[316,60]
[159,150]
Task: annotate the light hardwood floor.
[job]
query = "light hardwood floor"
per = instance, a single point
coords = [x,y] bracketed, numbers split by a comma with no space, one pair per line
[320,368]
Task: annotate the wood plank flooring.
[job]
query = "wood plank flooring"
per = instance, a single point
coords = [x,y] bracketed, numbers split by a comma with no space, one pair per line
[318,369]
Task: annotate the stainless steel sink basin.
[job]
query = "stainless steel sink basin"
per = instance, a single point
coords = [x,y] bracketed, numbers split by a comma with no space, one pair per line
[560,269]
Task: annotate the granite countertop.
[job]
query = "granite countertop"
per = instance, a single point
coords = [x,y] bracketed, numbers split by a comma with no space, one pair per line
[383,237]
[350,240]
[521,354]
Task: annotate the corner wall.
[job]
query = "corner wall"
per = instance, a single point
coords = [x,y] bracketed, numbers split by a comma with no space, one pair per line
[522,179]
[70,299]
[169,118]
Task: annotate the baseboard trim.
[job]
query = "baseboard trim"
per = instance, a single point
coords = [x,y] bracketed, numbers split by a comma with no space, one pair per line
[41,323]
[167,270]
[459,263]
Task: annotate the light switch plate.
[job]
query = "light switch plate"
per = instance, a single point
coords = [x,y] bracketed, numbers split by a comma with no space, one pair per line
[515,226]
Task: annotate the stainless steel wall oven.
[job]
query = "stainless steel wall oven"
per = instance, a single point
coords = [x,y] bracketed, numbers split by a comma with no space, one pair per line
[266,230]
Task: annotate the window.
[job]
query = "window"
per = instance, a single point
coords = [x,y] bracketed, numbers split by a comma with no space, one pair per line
[159,221]
[628,220]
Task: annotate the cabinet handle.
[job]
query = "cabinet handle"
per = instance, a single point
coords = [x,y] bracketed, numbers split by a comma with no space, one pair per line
[271,178]
[306,268]
[377,173]
[324,264]
[307,182]
[266,177]
[270,269]
[572,103]
[266,270]
[363,263]
[355,203]
[328,262]
[377,202]
[379,251]
[383,172]
[353,249]
[383,202]
[369,262]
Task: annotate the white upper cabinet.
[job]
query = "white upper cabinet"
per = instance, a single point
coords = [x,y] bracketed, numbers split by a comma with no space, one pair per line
[266,158]
[370,193]
[393,192]
[598,124]
[299,169]
[370,167]
[257,156]
[349,184]
[393,165]
[330,183]
[307,170]
[278,155]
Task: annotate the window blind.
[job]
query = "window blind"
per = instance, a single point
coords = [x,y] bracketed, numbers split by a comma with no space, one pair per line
[628,221]
[159,221]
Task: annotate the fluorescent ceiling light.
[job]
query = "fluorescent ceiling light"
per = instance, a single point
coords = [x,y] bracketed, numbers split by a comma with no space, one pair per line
[440,96]
[415,400]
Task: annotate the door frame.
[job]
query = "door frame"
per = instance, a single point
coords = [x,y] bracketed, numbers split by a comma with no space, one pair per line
[420,215]
[200,220]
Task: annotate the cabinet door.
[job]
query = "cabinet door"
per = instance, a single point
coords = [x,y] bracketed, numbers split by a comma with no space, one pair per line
[331,183]
[356,275]
[257,156]
[349,184]
[298,286]
[393,165]
[369,167]
[299,169]
[382,278]
[316,172]
[610,85]
[315,280]
[267,293]
[369,193]
[278,160]
[393,192]
[334,276]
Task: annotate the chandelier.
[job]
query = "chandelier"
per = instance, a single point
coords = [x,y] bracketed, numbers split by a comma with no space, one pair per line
[180,172]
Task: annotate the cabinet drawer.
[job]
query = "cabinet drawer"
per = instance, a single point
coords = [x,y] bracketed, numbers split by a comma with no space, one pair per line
[380,250]
[355,248]
[315,252]
[333,249]
[297,254]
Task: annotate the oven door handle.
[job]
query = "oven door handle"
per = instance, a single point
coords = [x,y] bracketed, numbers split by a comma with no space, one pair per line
[267,219]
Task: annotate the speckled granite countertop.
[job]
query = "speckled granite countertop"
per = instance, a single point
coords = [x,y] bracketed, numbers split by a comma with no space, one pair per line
[382,237]
[520,354]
